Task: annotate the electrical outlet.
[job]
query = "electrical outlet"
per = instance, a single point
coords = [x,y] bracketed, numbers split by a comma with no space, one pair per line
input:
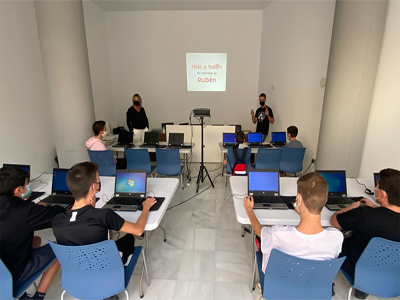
[313,160]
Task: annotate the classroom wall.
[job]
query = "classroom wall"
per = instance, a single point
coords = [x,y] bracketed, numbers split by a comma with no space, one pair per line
[382,146]
[295,44]
[25,122]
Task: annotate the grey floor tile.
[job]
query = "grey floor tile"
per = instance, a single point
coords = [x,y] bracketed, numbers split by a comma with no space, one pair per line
[229,240]
[197,265]
[233,267]
[194,290]
[204,239]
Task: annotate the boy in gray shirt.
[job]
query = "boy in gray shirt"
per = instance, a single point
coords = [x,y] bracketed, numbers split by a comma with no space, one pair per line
[292,132]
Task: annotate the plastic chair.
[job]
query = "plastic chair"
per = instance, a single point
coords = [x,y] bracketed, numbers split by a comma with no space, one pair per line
[169,163]
[268,158]
[95,271]
[230,161]
[292,160]
[138,159]
[7,291]
[290,277]
[377,270]
[105,160]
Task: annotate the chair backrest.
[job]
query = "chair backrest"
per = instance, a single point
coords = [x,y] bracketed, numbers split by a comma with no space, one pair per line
[292,159]
[268,158]
[6,291]
[231,159]
[168,162]
[91,272]
[289,277]
[377,270]
[105,160]
[138,159]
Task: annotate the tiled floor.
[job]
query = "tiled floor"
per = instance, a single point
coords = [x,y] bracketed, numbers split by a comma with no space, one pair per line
[205,256]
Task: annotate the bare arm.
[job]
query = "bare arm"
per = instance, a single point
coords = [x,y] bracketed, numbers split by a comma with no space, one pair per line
[248,205]
[138,227]
[271,120]
[334,221]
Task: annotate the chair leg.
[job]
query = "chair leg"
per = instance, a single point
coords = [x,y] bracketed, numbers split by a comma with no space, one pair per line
[62,295]
[254,273]
[165,232]
[127,294]
[349,293]
[145,269]
[243,232]
[182,181]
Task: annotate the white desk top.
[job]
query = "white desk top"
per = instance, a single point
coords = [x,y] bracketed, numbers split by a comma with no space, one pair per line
[156,187]
[253,149]
[288,187]
[151,149]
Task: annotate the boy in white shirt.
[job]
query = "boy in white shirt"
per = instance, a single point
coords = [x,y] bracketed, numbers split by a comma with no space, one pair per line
[308,239]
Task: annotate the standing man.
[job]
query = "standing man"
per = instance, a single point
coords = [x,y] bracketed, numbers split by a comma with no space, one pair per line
[263,117]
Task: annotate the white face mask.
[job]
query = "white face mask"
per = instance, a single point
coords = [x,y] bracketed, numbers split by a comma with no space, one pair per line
[105,133]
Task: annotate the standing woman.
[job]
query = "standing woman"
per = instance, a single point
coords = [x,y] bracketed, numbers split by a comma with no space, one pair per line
[136,116]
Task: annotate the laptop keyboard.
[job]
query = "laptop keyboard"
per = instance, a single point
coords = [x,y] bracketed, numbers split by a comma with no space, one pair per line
[266,199]
[339,200]
[126,201]
[58,199]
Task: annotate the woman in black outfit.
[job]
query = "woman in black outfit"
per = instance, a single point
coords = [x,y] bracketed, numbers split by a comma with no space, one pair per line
[136,116]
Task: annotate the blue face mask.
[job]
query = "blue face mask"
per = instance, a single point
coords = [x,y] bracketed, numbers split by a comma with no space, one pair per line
[28,193]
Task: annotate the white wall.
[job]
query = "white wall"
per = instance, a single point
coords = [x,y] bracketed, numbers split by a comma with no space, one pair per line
[356,43]
[295,45]
[147,56]
[25,121]
[382,145]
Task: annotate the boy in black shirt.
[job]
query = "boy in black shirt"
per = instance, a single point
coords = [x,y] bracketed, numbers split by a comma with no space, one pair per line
[263,117]
[369,220]
[18,221]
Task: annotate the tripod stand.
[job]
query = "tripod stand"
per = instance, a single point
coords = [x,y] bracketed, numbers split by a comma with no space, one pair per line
[203,168]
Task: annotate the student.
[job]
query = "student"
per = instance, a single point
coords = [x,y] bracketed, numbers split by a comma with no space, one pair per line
[263,117]
[84,224]
[308,239]
[96,142]
[240,142]
[292,132]
[367,220]
[19,219]
[136,116]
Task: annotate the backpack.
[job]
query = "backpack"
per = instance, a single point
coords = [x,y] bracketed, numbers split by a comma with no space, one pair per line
[239,167]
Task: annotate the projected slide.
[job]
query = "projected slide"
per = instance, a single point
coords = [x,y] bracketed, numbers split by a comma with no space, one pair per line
[206,71]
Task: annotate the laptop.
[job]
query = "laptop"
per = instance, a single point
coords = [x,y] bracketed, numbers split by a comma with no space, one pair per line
[125,139]
[175,140]
[376,178]
[228,140]
[263,185]
[151,139]
[337,190]
[278,139]
[26,168]
[60,193]
[254,139]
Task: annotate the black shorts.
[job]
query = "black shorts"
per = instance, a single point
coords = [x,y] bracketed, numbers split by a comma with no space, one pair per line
[40,258]
[125,246]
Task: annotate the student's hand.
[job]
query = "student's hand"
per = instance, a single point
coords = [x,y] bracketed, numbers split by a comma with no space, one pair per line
[41,203]
[149,202]
[354,205]
[267,111]
[248,203]
[252,113]
[368,202]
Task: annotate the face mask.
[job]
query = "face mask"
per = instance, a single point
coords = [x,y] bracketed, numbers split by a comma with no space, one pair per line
[28,193]
[105,133]
[296,206]
[262,103]
[137,103]
[288,138]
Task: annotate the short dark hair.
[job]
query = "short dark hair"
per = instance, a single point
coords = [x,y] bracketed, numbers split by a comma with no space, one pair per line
[263,95]
[389,181]
[12,177]
[314,190]
[240,137]
[98,126]
[80,177]
[293,131]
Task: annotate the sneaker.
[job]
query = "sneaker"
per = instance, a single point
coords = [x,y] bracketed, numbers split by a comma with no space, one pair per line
[25,296]
[333,291]
[360,295]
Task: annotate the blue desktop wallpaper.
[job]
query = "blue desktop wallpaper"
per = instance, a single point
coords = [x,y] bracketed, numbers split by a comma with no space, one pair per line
[254,137]
[60,181]
[229,138]
[130,183]
[264,181]
[336,182]
[278,136]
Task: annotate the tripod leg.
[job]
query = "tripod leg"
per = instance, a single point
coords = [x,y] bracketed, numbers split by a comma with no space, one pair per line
[198,181]
[208,175]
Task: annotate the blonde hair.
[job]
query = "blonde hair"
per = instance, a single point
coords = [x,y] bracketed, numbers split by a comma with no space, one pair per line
[137,96]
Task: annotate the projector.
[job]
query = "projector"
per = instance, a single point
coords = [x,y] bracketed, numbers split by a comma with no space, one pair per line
[201,112]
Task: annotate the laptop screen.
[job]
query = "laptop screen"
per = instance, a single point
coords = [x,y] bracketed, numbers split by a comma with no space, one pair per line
[263,181]
[376,178]
[26,168]
[336,181]
[59,185]
[229,138]
[278,137]
[130,182]
[254,137]
[151,137]
[176,138]
[125,137]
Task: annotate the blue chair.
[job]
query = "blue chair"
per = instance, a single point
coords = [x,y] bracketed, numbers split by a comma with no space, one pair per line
[230,161]
[290,277]
[377,270]
[292,160]
[95,271]
[7,291]
[138,159]
[268,158]
[169,163]
[105,160]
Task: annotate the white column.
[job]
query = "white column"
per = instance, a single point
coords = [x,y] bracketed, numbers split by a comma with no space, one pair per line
[63,46]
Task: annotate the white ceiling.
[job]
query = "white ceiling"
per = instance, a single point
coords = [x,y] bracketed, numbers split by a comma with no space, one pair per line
[144,5]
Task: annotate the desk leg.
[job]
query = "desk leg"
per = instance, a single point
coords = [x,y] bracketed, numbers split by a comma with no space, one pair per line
[143,267]
[253,266]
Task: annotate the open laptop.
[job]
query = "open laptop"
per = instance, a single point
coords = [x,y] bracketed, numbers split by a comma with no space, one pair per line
[254,139]
[228,140]
[175,140]
[278,139]
[60,193]
[337,190]
[376,178]
[263,185]
[125,139]
[151,139]
[27,168]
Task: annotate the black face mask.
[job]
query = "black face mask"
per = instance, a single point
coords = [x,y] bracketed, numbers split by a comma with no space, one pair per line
[137,103]
[262,103]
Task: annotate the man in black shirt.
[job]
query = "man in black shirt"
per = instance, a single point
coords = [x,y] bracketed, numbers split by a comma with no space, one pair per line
[368,220]
[18,221]
[84,224]
[263,117]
